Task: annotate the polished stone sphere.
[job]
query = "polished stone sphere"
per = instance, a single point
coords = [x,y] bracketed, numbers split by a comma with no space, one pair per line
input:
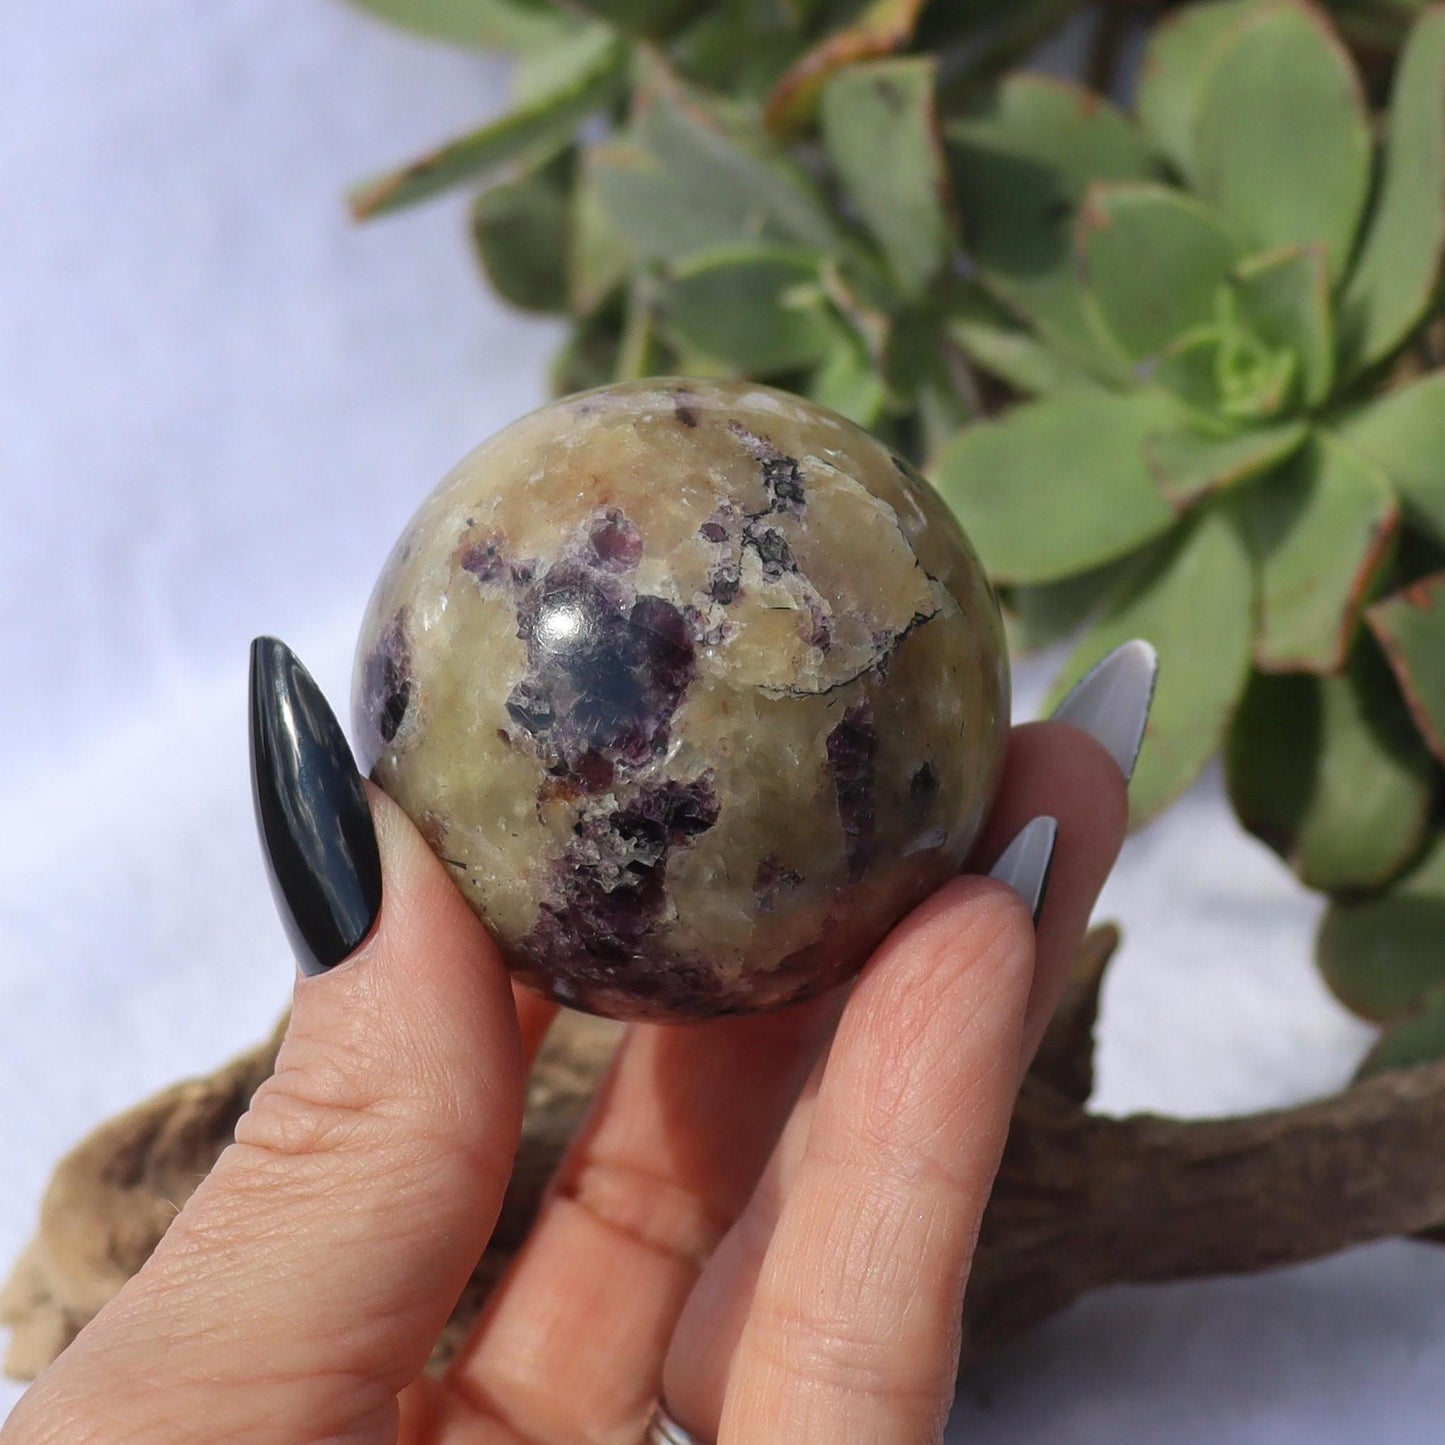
[695,688]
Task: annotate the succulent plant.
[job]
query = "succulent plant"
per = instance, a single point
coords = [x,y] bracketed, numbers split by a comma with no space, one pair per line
[1376,25]
[1182,374]
[1178,370]
[1247,464]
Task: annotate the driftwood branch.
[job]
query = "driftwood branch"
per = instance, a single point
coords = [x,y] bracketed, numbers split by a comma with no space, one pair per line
[1081,1200]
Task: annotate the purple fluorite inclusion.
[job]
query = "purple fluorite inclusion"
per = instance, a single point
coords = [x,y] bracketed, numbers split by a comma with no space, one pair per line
[606,670]
[694,689]
[852,749]
[614,542]
[385,685]
[609,893]
[606,664]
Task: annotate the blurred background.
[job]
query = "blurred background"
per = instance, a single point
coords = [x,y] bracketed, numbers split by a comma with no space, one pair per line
[219,402]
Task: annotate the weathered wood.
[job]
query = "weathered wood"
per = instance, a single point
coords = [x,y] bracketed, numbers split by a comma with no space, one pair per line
[1081,1200]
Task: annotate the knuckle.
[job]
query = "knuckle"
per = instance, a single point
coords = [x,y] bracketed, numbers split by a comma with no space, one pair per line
[320,1108]
[664,1217]
[334,1114]
[90,1405]
[839,1354]
[950,969]
[323,1108]
[922,1164]
[934,1041]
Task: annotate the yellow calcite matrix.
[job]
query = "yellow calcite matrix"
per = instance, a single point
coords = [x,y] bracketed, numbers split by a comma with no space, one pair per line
[695,688]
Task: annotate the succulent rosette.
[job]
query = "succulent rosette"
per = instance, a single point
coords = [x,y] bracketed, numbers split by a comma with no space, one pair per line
[1176,368]
[1235,444]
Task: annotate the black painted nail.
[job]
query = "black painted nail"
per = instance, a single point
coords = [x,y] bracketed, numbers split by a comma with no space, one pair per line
[311,811]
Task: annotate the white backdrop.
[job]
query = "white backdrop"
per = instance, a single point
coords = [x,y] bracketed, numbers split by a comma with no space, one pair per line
[218,403]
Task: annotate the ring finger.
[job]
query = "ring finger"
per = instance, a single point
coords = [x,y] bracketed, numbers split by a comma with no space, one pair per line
[1048,770]
[853,1330]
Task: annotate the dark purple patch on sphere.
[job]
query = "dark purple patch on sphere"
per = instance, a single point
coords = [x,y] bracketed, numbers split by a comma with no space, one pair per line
[606,671]
[773,879]
[614,542]
[609,894]
[486,560]
[385,688]
[852,748]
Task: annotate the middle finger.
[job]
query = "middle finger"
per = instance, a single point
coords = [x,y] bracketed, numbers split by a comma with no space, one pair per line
[671,1150]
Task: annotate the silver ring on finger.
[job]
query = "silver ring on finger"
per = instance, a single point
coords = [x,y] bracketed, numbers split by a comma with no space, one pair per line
[662,1429]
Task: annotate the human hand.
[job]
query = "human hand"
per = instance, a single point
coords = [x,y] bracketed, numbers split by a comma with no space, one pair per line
[766,1220]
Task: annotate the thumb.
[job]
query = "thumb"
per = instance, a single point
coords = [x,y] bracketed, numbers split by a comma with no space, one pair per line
[307,1279]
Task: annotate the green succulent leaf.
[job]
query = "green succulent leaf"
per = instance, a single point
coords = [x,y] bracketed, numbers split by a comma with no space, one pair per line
[1328,771]
[1403,433]
[848,381]
[526,26]
[598,258]
[1018,358]
[1226,374]
[738,47]
[1045,614]
[990,338]
[1060,485]
[534,132]
[879,28]
[642,349]
[588,357]
[1419,1038]
[1282,138]
[1322,529]
[1183,49]
[1023,156]
[1155,259]
[692,176]
[759,309]
[641,17]
[880,132]
[1284,299]
[521,25]
[658,216]
[1382,956]
[541,73]
[1188,464]
[1400,262]
[1192,596]
[1266,349]
[520,230]
[942,410]
[1411,628]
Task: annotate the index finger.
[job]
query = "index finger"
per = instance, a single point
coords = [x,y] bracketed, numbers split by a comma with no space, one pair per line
[1051,770]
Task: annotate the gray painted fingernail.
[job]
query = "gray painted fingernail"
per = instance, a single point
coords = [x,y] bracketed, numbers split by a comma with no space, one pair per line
[1025,863]
[1111,702]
